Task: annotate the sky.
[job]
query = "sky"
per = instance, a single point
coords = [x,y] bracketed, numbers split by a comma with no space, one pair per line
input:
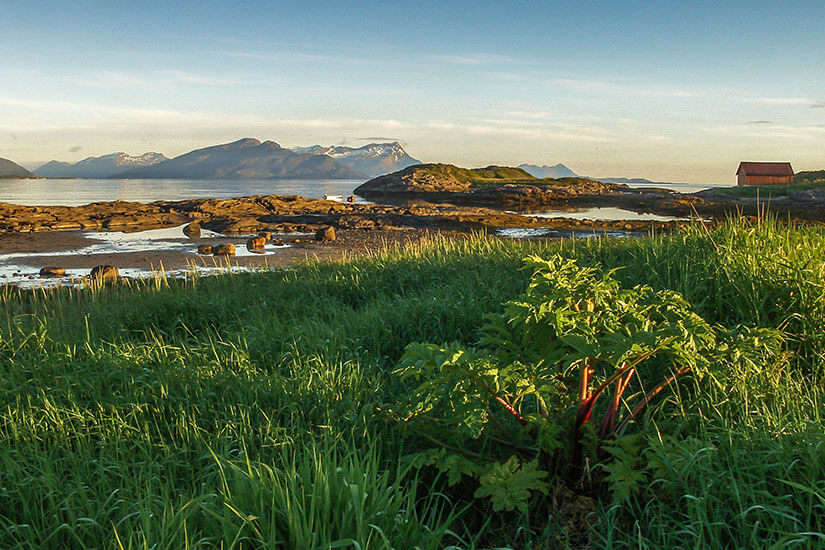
[669,91]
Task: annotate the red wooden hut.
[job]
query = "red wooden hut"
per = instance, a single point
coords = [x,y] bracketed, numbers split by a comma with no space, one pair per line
[764,173]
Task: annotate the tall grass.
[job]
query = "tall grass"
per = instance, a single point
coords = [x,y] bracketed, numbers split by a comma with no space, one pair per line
[237,411]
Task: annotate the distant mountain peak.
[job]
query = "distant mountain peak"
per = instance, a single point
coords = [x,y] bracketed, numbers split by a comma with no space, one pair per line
[9,169]
[556,171]
[244,142]
[373,159]
[98,167]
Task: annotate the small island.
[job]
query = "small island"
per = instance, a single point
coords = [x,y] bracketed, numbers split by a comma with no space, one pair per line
[507,187]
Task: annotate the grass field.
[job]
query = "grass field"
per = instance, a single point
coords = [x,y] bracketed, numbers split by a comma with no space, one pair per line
[778,190]
[246,411]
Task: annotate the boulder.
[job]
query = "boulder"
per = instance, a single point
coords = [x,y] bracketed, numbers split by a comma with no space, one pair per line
[325,234]
[192,230]
[224,250]
[104,273]
[205,250]
[51,271]
[256,243]
[266,235]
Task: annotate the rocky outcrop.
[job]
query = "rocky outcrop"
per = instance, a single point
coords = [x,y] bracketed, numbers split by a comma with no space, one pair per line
[104,273]
[256,243]
[192,230]
[224,250]
[325,234]
[51,271]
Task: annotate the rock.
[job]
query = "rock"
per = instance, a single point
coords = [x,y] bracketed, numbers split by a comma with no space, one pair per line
[192,230]
[325,234]
[104,273]
[205,250]
[224,250]
[266,235]
[256,243]
[51,271]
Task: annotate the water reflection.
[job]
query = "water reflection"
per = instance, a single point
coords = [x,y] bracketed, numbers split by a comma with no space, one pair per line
[604,213]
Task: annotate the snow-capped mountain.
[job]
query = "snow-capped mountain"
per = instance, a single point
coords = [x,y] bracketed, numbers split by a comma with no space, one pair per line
[247,158]
[98,167]
[371,160]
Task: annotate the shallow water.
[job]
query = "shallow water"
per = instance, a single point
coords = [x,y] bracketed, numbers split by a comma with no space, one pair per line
[531,232]
[606,213]
[14,269]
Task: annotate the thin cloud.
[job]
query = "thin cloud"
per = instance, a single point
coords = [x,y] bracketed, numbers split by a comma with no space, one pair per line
[378,138]
[777,100]
[75,149]
[476,59]
[759,122]
[818,105]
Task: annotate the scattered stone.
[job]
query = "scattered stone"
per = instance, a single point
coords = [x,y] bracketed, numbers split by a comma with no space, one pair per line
[266,235]
[224,250]
[104,273]
[325,234]
[192,230]
[51,271]
[256,243]
[205,249]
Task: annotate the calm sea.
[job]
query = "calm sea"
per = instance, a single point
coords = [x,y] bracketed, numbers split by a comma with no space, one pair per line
[75,192]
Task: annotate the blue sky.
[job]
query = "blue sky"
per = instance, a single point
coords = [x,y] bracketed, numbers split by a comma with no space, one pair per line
[675,91]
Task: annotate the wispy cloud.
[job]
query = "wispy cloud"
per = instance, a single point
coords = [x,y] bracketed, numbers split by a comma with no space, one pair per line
[287,56]
[759,122]
[773,131]
[150,80]
[770,100]
[377,138]
[75,149]
[818,105]
[476,59]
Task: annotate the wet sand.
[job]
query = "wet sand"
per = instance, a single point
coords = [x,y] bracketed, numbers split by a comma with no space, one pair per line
[64,249]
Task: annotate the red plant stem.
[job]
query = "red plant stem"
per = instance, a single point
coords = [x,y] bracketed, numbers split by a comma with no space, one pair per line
[647,398]
[586,400]
[506,404]
[609,423]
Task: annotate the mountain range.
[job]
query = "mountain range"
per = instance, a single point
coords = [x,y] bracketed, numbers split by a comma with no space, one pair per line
[561,171]
[370,160]
[9,169]
[98,167]
[247,158]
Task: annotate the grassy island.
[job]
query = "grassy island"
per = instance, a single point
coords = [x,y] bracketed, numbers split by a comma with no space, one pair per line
[273,409]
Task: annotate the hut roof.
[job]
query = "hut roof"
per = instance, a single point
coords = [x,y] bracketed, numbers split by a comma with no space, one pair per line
[765,169]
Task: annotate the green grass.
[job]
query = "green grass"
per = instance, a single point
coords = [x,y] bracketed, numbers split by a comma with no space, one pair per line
[778,190]
[244,411]
[491,176]
[811,176]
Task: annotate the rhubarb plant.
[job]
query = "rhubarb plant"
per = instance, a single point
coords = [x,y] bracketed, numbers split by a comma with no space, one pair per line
[525,397]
